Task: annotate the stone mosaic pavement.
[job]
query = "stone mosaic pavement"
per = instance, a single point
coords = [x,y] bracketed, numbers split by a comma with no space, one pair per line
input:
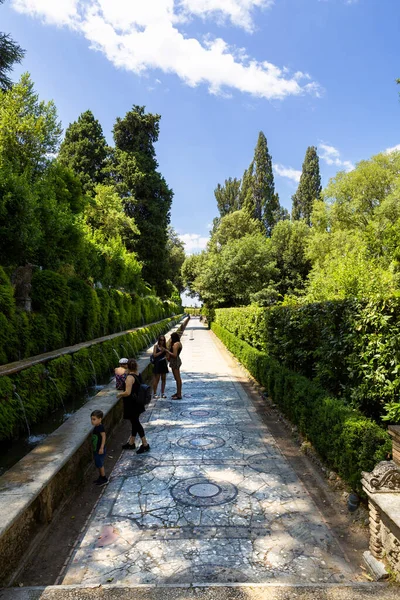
[213,502]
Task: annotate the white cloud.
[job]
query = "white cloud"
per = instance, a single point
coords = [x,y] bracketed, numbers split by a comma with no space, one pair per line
[55,12]
[331,156]
[140,36]
[394,149]
[194,242]
[238,12]
[288,172]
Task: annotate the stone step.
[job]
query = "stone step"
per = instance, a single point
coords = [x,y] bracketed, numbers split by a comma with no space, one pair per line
[353,591]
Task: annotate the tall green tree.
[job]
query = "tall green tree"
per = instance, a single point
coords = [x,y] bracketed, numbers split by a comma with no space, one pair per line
[10,53]
[29,129]
[175,258]
[146,194]
[84,149]
[261,202]
[228,196]
[309,188]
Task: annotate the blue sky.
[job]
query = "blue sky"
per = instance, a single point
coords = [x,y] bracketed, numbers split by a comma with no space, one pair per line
[306,72]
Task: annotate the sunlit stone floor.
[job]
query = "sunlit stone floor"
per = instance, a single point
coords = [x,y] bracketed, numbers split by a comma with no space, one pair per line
[213,501]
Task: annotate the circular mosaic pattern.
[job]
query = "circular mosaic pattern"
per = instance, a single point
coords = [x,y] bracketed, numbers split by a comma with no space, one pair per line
[201,442]
[199,491]
[199,413]
[260,462]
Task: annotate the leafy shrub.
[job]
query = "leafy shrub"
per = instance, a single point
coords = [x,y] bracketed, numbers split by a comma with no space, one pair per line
[350,347]
[345,439]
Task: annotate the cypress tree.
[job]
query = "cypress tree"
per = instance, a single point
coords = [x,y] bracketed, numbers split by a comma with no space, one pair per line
[85,151]
[258,188]
[10,53]
[309,187]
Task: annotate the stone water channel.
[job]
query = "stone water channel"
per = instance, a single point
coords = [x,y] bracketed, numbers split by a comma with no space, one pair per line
[12,451]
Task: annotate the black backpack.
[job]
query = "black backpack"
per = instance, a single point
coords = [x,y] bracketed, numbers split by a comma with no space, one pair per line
[144,395]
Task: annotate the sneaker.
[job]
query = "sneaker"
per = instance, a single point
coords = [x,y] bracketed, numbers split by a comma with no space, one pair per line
[156,396]
[143,449]
[96,481]
[128,446]
[163,396]
[102,481]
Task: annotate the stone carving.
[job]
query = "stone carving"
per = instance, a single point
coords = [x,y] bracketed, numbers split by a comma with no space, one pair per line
[22,281]
[383,479]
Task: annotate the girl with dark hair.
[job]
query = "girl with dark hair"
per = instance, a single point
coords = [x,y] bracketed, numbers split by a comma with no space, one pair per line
[132,409]
[175,363]
[160,366]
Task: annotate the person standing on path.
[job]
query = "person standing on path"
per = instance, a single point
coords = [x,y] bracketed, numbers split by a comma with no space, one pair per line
[160,366]
[175,363]
[132,408]
[120,373]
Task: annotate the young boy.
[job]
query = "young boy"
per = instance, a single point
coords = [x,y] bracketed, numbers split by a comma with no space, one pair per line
[99,445]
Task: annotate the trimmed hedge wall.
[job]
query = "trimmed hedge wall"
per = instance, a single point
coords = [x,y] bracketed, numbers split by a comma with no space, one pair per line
[43,387]
[67,311]
[344,438]
[351,348]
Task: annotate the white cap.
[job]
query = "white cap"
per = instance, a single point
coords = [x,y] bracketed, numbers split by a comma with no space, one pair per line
[123,361]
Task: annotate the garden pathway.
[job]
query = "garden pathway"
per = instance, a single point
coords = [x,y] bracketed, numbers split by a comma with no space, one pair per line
[214,501]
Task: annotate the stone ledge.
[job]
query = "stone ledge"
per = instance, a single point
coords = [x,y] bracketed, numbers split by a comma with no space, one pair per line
[26,363]
[41,481]
[356,591]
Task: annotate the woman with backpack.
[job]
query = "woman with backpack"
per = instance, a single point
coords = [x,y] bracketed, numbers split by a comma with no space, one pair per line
[133,408]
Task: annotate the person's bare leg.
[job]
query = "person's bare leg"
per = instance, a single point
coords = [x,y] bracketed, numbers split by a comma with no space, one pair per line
[178,384]
[163,382]
[156,379]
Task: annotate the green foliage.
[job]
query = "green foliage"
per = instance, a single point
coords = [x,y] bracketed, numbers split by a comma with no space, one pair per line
[228,196]
[346,440]
[309,188]
[146,196]
[260,200]
[68,311]
[289,247]
[350,347]
[231,275]
[10,53]
[354,241]
[85,151]
[29,128]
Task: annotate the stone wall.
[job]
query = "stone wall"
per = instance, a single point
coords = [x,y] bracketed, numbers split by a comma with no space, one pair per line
[382,487]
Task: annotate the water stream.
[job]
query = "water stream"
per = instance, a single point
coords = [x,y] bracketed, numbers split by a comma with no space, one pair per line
[24,412]
[94,372]
[12,451]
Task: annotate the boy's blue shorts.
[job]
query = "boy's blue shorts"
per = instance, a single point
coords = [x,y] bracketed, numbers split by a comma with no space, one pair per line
[99,459]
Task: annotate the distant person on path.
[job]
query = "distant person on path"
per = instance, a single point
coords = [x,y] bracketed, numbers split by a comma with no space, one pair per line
[175,363]
[99,445]
[120,373]
[132,408]
[160,366]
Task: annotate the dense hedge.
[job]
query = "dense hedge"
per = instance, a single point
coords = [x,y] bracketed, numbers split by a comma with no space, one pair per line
[67,311]
[347,441]
[351,348]
[43,387]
